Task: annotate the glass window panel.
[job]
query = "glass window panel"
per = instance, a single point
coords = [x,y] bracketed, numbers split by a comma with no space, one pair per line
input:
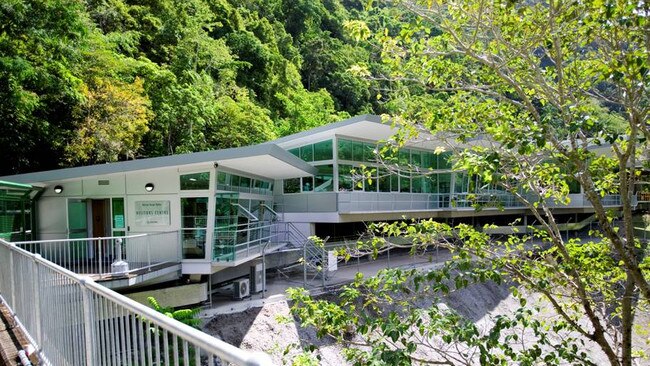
[444,183]
[234,180]
[434,183]
[223,180]
[307,153]
[307,184]
[416,158]
[429,160]
[194,217]
[427,184]
[403,157]
[371,185]
[444,160]
[383,180]
[324,180]
[574,186]
[295,151]
[461,183]
[345,149]
[118,213]
[357,151]
[244,182]
[345,178]
[369,153]
[292,185]
[394,182]
[323,150]
[404,183]
[416,184]
[195,181]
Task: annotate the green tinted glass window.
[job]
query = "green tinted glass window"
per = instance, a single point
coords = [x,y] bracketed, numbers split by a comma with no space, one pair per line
[429,160]
[345,149]
[223,178]
[369,153]
[416,184]
[404,183]
[444,160]
[118,213]
[307,153]
[383,180]
[292,185]
[295,151]
[461,183]
[345,178]
[403,157]
[416,158]
[444,183]
[195,181]
[323,150]
[370,185]
[394,182]
[307,184]
[244,182]
[574,186]
[324,180]
[357,151]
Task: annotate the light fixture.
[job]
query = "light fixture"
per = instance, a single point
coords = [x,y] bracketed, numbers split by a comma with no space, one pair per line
[148,187]
[58,189]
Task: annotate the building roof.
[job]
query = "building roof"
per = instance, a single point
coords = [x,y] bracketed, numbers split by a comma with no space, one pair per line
[266,160]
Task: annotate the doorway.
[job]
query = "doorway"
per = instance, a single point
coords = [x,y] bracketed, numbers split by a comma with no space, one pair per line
[100,213]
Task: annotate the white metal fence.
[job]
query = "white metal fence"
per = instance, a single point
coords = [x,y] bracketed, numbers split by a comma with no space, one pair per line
[71,320]
[95,255]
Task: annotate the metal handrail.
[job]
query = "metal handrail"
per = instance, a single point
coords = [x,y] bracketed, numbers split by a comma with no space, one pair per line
[96,324]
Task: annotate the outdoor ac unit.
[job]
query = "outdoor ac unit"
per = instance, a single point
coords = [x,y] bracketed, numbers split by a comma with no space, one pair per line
[258,280]
[241,288]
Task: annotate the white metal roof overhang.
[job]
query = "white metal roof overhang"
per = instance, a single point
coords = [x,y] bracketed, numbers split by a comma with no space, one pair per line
[266,160]
[274,163]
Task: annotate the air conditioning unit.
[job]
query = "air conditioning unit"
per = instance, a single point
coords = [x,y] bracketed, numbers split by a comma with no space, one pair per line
[258,278]
[241,288]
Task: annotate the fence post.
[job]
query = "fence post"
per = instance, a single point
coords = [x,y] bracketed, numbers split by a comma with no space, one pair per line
[100,257]
[12,271]
[37,300]
[149,251]
[89,340]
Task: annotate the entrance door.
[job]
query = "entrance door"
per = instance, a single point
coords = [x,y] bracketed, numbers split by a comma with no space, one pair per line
[100,213]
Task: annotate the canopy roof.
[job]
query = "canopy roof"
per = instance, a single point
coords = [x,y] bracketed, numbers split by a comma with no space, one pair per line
[266,160]
[10,191]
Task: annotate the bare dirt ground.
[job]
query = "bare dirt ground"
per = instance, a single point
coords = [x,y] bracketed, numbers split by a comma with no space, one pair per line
[272,329]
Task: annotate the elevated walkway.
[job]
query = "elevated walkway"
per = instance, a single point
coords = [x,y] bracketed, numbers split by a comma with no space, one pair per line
[139,258]
[69,319]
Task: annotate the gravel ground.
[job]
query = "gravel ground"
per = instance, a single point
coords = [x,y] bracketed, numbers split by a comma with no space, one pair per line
[271,328]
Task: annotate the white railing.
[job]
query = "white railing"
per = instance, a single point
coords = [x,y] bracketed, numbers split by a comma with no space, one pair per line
[71,320]
[95,255]
[350,202]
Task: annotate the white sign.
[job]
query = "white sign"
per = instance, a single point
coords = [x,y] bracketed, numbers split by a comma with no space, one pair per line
[152,213]
[332,264]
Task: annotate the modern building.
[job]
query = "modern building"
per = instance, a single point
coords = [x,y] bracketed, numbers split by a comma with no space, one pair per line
[230,207]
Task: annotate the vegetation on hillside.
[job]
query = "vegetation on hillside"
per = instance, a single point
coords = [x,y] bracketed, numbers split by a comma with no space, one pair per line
[83,82]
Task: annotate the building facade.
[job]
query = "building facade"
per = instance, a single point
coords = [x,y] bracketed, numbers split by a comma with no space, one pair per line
[229,206]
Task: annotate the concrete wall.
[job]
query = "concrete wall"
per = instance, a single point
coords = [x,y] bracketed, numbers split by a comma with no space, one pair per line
[176,296]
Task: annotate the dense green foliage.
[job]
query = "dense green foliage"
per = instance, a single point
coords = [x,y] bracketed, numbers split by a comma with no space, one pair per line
[529,95]
[83,82]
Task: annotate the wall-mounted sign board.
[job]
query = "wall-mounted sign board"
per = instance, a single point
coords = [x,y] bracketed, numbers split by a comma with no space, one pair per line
[152,213]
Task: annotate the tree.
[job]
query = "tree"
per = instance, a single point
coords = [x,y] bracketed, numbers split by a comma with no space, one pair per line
[114,119]
[545,86]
